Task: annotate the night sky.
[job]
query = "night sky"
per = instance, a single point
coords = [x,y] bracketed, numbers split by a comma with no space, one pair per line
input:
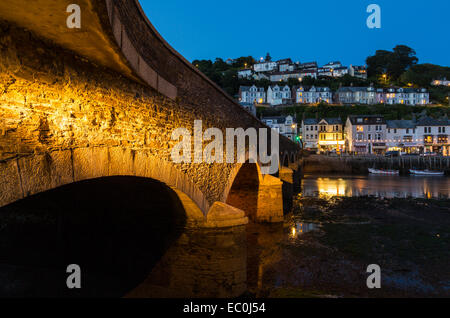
[320,30]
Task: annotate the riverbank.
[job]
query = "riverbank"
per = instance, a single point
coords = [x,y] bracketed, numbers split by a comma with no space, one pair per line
[316,164]
[408,238]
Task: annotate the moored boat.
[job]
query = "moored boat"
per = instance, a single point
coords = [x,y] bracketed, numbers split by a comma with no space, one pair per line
[426,172]
[384,172]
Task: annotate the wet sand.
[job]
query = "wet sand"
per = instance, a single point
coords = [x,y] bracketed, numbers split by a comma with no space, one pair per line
[409,239]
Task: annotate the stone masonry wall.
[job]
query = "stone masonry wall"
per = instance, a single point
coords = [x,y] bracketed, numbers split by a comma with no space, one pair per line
[52,100]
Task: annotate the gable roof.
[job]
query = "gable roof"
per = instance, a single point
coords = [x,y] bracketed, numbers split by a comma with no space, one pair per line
[332,121]
[310,121]
[428,121]
[401,124]
[366,119]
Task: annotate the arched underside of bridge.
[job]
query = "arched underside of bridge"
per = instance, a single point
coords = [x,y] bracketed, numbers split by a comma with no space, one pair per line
[115,228]
[34,174]
[103,100]
[260,196]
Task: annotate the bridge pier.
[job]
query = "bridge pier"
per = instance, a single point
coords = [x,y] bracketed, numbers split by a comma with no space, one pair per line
[224,215]
[287,177]
[270,200]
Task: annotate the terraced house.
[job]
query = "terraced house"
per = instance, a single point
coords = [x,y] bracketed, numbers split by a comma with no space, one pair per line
[402,136]
[310,133]
[407,96]
[356,95]
[252,94]
[366,134]
[313,95]
[331,135]
[277,95]
[432,135]
[284,125]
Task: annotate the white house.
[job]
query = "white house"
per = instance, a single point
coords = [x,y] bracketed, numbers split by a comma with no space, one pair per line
[310,133]
[407,96]
[322,72]
[333,65]
[441,82]
[245,73]
[277,95]
[252,94]
[285,126]
[432,135]
[357,71]
[356,95]
[265,66]
[365,134]
[260,76]
[308,73]
[402,136]
[313,95]
[340,71]
[285,65]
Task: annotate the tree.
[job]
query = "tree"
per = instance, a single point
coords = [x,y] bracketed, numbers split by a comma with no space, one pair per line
[393,64]
[421,75]
[403,58]
[293,82]
[379,63]
[244,62]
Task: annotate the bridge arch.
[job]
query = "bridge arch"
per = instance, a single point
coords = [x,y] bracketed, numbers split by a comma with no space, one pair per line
[259,196]
[293,156]
[286,159]
[25,176]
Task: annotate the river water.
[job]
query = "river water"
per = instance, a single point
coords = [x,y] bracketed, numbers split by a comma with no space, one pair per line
[233,262]
[379,186]
[151,258]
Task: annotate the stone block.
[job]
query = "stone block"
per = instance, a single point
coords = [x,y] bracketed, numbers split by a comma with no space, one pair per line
[223,215]
[10,187]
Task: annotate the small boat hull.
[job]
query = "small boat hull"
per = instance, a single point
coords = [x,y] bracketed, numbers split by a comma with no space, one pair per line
[426,173]
[384,172]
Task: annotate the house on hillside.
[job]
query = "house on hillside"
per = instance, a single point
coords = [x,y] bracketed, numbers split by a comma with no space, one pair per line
[252,94]
[284,125]
[277,95]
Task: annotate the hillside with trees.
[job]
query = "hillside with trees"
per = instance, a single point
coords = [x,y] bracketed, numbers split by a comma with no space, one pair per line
[398,67]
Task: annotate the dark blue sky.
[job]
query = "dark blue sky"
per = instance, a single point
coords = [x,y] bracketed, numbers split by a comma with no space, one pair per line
[313,30]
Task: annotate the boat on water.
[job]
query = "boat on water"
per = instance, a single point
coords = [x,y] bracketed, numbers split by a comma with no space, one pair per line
[426,172]
[384,172]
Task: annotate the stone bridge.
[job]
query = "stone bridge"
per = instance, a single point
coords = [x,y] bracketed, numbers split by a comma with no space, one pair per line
[102,100]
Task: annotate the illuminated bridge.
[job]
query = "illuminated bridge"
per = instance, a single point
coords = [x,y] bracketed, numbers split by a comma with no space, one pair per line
[102,100]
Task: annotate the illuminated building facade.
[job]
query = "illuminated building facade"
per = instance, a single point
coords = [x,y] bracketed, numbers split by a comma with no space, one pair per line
[331,135]
[366,134]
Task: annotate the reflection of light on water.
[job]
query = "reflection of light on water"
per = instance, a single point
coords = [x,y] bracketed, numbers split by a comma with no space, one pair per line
[331,187]
[379,186]
[301,228]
